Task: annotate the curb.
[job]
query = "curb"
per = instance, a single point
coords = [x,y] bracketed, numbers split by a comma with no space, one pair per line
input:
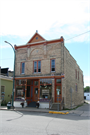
[40,111]
[32,111]
[58,112]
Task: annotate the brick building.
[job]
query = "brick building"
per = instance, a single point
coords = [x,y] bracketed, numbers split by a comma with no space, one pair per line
[45,70]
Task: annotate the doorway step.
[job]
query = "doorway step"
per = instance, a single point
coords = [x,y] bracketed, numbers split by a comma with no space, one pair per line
[54,106]
[32,104]
[57,106]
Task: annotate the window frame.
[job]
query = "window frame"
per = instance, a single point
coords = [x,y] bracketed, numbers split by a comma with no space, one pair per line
[82,78]
[51,65]
[21,67]
[2,92]
[3,87]
[37,66]
[76,73]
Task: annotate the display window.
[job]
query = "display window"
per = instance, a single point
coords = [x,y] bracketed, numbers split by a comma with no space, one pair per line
[20,88]
[20,91]
[45,89]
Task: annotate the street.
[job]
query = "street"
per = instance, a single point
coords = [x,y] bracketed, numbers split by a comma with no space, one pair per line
[36,123]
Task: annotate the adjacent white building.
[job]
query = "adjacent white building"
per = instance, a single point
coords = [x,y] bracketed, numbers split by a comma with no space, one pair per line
[87,95]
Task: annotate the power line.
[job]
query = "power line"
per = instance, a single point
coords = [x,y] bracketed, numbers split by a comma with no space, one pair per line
[78,35]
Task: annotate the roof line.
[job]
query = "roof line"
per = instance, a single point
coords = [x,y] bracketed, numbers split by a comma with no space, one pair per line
[40,42]
[33,37]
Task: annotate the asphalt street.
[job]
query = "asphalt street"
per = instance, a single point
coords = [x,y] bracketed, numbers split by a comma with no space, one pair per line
[36,123]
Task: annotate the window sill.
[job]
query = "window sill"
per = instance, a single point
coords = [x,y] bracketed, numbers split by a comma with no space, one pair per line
[36,72]
[22,73]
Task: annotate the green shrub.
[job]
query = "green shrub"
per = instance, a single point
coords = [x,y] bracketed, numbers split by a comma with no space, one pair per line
[4,103]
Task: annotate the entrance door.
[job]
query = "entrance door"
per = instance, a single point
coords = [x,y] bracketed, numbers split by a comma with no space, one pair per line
[58,91]
[29,94]
[35,92]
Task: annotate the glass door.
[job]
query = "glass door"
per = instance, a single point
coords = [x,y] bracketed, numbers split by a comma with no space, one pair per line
[58,92]
[29,94]
[35,98]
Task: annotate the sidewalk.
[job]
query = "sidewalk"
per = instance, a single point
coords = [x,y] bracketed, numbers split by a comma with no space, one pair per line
[80,111]
[31,109]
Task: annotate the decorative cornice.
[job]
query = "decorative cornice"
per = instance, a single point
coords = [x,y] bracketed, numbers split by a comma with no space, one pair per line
[44,42]
[39,77]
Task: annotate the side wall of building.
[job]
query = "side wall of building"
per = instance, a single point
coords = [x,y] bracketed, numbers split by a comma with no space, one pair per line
[73,82]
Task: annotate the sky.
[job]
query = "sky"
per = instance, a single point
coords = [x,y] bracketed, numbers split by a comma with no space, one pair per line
[19,20]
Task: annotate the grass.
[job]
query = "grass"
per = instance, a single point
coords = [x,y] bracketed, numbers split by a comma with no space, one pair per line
[85,102]
[75,107]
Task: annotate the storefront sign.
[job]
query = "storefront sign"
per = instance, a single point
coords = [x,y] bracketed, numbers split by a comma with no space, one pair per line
[45,91]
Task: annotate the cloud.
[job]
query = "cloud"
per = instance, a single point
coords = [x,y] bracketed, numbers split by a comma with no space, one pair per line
[56,17]
[86,84]
[86,81]
[87,78]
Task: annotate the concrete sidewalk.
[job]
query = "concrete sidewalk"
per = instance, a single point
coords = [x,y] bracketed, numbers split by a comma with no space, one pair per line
[31,109]
[81,111]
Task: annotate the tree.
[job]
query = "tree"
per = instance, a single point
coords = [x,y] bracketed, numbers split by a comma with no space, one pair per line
[87,89]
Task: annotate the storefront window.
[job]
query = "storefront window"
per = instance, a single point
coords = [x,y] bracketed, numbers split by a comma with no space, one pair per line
[20,88]
[46,81]
[20,82]
[17,82]
[20,91]
[46,89]
[28,82]
[35,82]
[58,80]
[23,82]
